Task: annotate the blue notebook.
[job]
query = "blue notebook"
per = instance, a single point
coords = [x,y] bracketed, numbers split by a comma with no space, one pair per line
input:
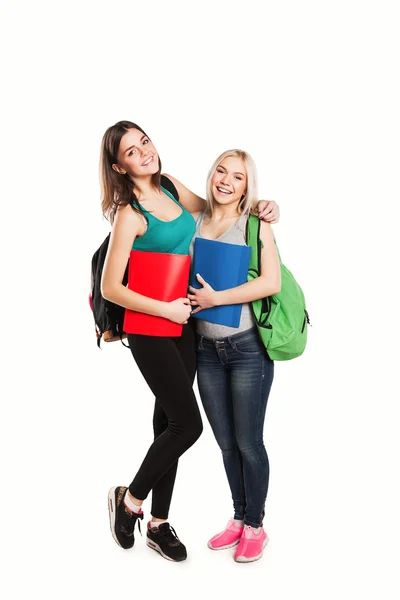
[223,266]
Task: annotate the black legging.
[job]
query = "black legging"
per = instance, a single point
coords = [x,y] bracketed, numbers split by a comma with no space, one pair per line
[168,366]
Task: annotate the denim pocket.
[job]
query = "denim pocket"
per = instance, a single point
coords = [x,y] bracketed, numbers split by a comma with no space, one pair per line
[251,347]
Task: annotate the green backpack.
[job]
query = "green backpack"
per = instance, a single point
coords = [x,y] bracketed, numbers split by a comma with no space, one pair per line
[281,319]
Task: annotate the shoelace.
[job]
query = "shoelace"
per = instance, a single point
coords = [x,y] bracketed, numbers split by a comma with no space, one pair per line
[129,527]
[170,535]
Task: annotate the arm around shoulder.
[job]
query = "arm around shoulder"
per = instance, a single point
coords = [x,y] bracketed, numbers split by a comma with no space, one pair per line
[190,201]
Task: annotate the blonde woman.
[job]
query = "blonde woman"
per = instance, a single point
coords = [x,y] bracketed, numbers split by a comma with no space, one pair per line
[234,372]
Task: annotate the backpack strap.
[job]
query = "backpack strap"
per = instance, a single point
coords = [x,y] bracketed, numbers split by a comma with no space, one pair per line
[168,185]
[261,307]
[122,341]
[253,240]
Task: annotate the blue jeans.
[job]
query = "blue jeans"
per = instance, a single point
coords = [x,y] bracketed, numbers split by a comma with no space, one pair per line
[234,376]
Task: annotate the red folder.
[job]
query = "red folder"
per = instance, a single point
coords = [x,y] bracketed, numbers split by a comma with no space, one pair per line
[160,276]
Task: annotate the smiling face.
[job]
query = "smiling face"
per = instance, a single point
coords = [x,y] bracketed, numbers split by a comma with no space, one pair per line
[229,182]
[137,155]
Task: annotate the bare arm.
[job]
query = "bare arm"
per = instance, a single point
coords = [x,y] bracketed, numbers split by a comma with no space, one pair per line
[267,284]
[127,226]
[188,199]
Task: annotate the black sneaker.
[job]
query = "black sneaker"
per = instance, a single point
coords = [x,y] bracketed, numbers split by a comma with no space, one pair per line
[122,520]
[164,540]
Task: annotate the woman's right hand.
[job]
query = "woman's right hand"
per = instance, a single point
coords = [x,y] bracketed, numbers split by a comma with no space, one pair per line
[178,310]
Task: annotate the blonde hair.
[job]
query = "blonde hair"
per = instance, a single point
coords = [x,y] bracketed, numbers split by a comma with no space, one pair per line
[251,195]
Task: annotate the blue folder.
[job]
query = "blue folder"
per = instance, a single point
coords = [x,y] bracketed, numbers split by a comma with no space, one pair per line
[223,266]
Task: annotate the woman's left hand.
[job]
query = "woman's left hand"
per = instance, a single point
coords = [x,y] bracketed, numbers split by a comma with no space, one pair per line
[205,297]
[268,211]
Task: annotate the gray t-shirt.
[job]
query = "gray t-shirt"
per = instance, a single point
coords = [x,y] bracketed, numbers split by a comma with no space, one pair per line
[234,235]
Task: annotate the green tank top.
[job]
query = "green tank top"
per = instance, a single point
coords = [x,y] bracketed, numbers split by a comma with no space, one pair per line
[171,237]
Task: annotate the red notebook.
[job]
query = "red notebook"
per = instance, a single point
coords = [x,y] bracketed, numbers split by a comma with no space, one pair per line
[160,276]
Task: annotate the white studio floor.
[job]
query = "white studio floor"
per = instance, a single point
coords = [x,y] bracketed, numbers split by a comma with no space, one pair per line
[327,539]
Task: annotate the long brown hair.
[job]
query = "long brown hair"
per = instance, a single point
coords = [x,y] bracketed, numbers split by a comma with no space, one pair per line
[116,189]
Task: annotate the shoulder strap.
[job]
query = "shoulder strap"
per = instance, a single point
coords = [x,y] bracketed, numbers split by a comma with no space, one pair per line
[252,230]
[253,240]
[168,185]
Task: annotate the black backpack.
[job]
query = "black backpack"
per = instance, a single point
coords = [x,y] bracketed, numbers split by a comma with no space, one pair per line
[109,317]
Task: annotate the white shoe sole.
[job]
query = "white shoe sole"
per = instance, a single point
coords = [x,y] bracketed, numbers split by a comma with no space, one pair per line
[157,548]
[112,512]
[243,559]
[223,547]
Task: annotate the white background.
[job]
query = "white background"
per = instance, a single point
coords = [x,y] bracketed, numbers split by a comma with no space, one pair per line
[310,89]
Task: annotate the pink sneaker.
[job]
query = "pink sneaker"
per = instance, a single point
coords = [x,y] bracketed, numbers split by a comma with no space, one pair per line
[227,538]
[251,545]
